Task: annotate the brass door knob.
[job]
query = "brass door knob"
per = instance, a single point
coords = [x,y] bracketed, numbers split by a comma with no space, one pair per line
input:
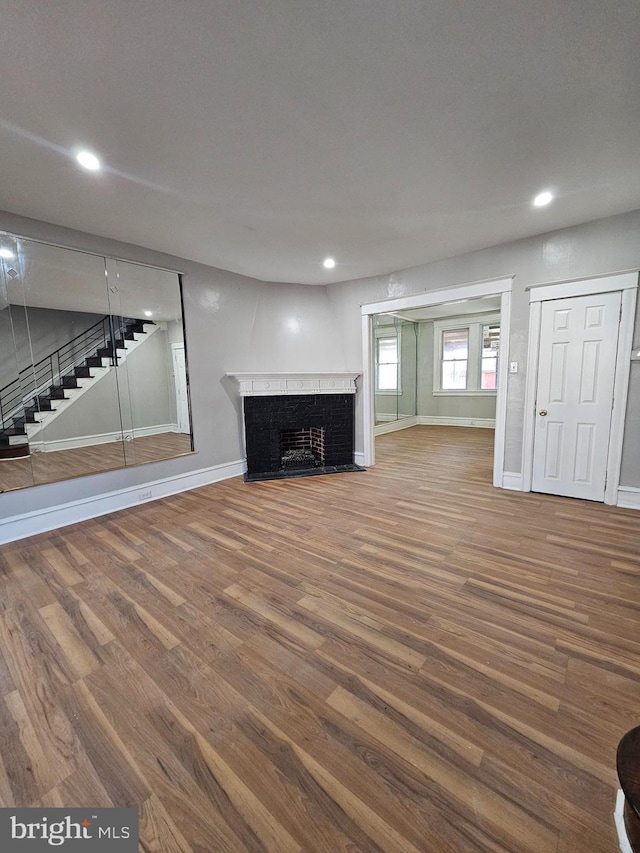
[543,412]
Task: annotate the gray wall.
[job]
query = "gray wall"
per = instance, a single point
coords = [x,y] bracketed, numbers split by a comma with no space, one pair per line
[233,324]
[596,248]
[240,324]
[94,413]
[174,332]
[443,406]
[148,395]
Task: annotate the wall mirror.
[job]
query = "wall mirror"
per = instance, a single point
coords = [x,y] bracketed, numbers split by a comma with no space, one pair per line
[93,368]
[395,367]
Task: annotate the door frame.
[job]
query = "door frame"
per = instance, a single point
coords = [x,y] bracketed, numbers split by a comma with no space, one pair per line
[457,293]
[179,345]
[627,284]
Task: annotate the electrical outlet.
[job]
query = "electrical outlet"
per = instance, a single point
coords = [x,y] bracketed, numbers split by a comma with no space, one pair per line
[145,496]
[513,367]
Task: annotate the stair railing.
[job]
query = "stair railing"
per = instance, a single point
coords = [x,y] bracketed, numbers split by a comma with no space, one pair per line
[35,379]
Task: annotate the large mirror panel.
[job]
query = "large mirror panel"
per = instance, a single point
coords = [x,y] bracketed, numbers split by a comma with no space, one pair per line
[70,385]
[151,377]
[94,343]
[15,461]
[395,363]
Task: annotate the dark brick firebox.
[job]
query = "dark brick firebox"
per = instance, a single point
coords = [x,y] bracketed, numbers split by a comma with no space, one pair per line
[265,419]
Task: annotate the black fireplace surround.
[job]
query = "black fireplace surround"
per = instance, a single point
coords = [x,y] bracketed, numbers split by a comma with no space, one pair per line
[267,418]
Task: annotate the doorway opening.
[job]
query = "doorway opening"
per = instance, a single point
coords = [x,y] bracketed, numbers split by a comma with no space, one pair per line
[438,358]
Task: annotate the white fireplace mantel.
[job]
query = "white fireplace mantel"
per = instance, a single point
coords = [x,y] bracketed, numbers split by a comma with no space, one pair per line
[272,384]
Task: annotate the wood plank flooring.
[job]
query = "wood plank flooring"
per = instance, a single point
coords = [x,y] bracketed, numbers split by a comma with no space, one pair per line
[400,660]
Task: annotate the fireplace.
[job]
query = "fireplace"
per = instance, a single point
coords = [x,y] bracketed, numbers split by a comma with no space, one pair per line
[289,434]
[302,448]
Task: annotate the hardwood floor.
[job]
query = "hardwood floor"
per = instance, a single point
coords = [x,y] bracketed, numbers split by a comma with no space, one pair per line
[400,660]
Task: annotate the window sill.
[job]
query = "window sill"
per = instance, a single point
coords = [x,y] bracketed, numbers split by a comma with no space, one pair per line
[388,393]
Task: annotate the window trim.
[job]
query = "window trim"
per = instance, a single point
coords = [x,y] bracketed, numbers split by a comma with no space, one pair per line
[473,323]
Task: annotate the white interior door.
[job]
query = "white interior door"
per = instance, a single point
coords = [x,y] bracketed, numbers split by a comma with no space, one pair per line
[180,377]
[574,399]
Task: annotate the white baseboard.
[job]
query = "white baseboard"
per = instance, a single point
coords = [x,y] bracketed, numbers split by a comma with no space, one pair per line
[618,817]
[385,417]
[139,432]
[394,426]
[443,420]
[512,481]
[430,420]
[40,521]
[358,458]
[100,438]
[628,497]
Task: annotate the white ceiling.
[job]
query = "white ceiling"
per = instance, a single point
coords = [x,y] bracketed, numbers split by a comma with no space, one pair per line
[262,137]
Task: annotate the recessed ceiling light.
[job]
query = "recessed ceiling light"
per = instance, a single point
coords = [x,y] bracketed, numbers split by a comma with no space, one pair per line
[88,160]
[6,253]
[543,198]
[328,263]
[147,313]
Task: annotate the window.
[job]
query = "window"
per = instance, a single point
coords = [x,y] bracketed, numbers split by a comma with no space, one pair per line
[466,355]
[387,362]
[455,359]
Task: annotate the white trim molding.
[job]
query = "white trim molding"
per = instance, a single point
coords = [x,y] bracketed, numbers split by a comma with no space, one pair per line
[628,497]
[395,425]
[625,283]
[368,391]
[620,391]
[621,830]
[455,293]
[444,420]
[275,384]
[51,518]
[584,287]
[512,481]
[430,420]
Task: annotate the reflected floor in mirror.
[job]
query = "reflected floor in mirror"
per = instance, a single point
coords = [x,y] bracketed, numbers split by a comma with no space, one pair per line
[40,468]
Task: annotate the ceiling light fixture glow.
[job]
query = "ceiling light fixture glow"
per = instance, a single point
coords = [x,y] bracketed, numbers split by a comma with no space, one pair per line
[6,253]
[88,161]
[147,313]
[543,199]
[328,263]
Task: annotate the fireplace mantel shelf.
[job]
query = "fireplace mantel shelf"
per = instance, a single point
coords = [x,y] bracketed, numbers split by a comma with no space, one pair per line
[272,384]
